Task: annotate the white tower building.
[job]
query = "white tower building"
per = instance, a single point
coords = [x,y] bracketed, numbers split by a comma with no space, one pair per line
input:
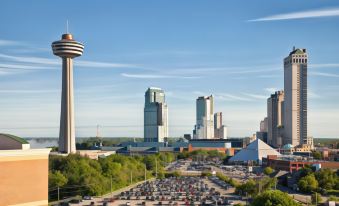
[204,128]
[67,49]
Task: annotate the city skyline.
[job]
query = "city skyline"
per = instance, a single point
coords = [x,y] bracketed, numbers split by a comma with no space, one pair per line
[241,61]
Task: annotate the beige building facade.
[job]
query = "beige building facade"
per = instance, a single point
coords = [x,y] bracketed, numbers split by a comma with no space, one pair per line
[220,130]
[295,87]
[23,173]
[275,119]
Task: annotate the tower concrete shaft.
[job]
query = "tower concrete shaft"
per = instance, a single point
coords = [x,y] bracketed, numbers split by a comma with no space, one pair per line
[67,49]
[67,127]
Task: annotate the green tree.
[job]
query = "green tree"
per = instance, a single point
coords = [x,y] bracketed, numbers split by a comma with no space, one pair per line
[268,170]
[308,183]
[56,179]
[316,198]
[249,187]
[273,198]
[267,183]
[317,155]
[333,198]
[327,178]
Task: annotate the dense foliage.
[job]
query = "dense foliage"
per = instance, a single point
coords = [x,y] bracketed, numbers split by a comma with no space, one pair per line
[255,187]
[319,181]
[77,175]
[228,180]
[316,198]
[268,170]
[273,198]
[317,155]
[308,183]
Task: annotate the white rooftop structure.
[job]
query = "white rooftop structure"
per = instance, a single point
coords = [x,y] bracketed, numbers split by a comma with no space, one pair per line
[254,152]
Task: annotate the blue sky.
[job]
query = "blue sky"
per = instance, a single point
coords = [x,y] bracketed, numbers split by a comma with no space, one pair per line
[231,49]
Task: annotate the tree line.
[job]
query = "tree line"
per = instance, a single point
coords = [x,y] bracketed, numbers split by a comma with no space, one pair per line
[76,175]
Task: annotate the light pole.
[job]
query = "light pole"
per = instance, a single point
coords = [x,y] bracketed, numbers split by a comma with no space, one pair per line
[58,194]
[156,168]
[131,177]
[145,172]
[111,188]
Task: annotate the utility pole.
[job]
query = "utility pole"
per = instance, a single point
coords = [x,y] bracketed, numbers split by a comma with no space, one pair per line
[145,172]
[156,168]
[111,188]
[131,177]
[58,194]
[316,199]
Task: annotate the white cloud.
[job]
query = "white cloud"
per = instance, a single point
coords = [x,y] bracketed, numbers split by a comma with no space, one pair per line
[324,74]
[329,65]
[4,42]
[23,67]
[271,90]
[256,96]
[231,97]
[95,64]
[313,95]
[254,71]
[156,76]
[301,15]
[29,59]
[23,91]
[55,61]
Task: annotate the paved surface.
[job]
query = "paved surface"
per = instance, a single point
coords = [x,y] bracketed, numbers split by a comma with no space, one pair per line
[209,183]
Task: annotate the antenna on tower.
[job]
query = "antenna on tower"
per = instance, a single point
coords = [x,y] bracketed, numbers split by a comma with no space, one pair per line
[98,131]
[67,26]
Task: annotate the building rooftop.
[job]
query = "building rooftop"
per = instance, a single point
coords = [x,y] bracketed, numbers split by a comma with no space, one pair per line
[16,138]
[155,88]
[254,152]
[298,51]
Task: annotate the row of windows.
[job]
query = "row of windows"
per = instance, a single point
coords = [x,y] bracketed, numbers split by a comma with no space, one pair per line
[299,60]
[299,55]
[293,60]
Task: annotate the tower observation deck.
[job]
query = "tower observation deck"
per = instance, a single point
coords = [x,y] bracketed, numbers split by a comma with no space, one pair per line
[67,48]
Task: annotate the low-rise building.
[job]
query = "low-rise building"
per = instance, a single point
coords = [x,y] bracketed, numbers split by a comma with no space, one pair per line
[294,163]
[23,172]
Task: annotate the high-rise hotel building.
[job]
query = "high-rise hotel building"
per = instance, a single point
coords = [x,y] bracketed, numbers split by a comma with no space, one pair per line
[220,130]
[204,128]
[155,116]
[295,103]
[275,119]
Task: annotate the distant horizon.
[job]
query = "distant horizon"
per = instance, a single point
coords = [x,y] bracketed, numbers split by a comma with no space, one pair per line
[232,50]
[143,138]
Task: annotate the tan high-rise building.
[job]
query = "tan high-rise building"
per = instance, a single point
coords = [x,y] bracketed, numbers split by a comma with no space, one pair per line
[295,87]
[204,128]
[220,130]
[264,125]
[275,119]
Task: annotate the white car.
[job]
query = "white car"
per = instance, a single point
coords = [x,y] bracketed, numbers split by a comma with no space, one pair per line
[88,198]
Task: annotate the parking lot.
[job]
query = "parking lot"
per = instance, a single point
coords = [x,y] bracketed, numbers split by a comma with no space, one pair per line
[174,191]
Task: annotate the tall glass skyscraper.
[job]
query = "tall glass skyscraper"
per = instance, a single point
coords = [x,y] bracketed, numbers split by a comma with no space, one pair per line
[155,116]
